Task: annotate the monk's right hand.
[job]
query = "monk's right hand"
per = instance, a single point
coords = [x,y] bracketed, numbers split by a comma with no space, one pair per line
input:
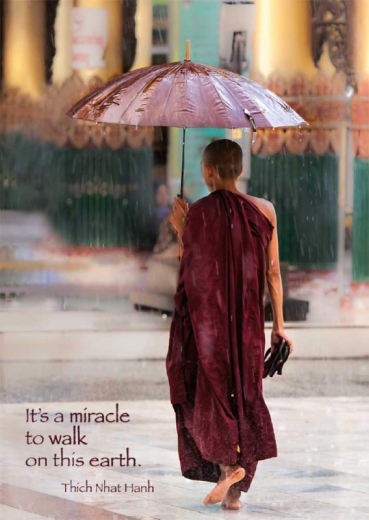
[178,218]
[279,334]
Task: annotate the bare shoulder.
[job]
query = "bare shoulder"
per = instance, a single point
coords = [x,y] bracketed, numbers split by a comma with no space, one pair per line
[265,207]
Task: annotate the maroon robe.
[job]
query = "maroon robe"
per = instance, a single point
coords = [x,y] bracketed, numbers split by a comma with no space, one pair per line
[216,348]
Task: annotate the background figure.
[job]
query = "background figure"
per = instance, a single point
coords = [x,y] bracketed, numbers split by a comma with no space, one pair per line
[166,240]
[238,57]
[162,207]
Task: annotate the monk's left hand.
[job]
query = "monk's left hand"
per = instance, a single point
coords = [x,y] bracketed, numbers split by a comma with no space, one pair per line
[277,335]
[178,218]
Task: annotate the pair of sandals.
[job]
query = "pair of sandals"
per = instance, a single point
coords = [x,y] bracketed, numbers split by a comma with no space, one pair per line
[274,361]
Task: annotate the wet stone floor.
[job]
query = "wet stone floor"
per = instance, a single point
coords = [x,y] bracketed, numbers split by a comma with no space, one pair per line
[141,379]
[322,469]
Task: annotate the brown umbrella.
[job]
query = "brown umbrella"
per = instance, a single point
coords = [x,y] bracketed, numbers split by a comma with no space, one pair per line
[186,95]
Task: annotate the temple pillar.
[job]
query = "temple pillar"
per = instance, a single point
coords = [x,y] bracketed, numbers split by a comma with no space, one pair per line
[113,51]
[284,173]
[360,113]
[24,44]
[143,20]
[62,64]
[282,41]
[362,37]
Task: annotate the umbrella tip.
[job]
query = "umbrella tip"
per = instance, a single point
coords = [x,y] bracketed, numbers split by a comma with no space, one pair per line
[188,50]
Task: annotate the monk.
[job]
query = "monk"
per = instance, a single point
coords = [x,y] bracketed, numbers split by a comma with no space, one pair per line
[216,349]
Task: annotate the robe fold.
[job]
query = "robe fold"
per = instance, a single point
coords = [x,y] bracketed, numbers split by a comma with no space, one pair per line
[216,348]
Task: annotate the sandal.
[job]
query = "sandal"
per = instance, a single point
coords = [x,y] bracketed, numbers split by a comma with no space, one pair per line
[274,363]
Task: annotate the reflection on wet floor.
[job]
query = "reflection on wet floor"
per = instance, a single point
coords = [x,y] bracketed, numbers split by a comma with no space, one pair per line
[38,271]
[50,381]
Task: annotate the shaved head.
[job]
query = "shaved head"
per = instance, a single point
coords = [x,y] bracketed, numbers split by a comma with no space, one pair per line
[225,156]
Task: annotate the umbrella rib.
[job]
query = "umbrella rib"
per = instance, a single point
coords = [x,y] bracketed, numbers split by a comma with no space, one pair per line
[144,87]
[256,88]
[171,90]
[202,97]
[218,95]
[133,99]
[110,95]
[125,109]
[233,77]
[114,85]
[241,105]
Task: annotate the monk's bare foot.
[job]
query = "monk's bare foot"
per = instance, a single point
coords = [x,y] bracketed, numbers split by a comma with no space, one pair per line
[232,500]
[233,474]
[235,505]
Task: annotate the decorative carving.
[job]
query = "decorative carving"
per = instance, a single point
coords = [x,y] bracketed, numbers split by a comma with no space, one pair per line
[363,86]
[360,118]
[300,141]
[321,85]
[332,23]
[335,140]
[338,84]
[273,141]
[97,134]
[299,86]
[325,111]
[45,119]
[79,134]
[360,110]
[114,136]
[356,141]
[277,84]
[360,103]
[363,150]
[319,140]
[297,140]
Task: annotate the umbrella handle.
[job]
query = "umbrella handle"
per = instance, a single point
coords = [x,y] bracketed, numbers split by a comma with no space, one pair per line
[180,195]
[187,58]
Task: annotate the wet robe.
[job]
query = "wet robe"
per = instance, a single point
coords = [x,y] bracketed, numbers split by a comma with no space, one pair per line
[216,348]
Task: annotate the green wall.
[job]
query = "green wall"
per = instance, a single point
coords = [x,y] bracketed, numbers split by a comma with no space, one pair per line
[360,235]
[97,197]
[304,190]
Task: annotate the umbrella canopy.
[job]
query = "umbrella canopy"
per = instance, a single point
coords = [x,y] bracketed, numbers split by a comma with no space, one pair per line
[185,94]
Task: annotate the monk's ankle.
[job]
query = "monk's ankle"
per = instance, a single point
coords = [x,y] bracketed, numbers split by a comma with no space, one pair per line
[233,493]
[231,469]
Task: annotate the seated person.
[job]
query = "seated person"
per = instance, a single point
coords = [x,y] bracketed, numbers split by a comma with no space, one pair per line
[162,207]
[166,245]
